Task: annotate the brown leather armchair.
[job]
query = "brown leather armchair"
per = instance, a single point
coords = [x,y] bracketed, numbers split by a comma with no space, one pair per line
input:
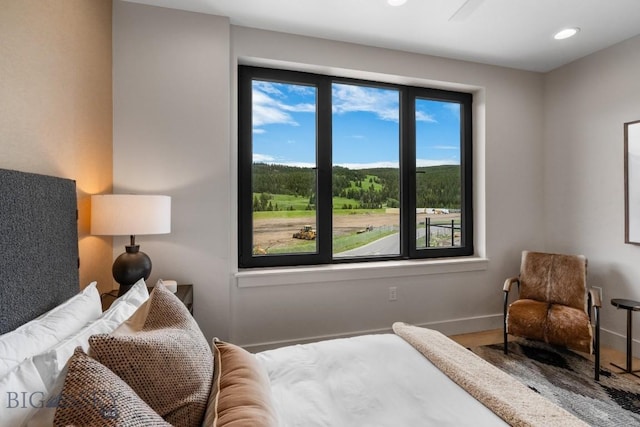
[554,304]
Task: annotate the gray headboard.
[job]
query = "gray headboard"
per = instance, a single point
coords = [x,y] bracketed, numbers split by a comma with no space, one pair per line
[38,245]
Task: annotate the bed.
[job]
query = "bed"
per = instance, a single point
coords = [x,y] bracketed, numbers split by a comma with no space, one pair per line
[145,362]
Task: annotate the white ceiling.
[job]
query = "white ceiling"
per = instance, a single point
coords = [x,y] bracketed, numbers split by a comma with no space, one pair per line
[510,33]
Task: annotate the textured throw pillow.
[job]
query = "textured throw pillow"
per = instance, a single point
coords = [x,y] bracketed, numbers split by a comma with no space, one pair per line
[44,332]
[92,395]
[161,353]
[241,392]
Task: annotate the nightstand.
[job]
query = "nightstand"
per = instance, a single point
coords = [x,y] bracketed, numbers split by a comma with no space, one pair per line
[184,294]
[630,306]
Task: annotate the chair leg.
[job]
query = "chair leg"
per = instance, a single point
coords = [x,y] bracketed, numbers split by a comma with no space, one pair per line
[506,349]
[504,322]
[597,344]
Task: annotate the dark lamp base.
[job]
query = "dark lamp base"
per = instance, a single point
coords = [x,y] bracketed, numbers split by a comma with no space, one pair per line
[130,267]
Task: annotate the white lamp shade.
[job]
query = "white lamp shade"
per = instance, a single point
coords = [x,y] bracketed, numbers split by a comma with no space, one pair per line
[130,214]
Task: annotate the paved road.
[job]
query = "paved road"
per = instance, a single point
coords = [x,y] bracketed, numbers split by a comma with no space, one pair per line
[389,245]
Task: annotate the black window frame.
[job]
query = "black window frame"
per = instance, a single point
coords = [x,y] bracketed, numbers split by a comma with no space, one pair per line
[324,216]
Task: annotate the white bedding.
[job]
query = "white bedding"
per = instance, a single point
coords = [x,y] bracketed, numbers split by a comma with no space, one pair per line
[371,380]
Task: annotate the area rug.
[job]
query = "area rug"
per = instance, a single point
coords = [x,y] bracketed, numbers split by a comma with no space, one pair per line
[566,379]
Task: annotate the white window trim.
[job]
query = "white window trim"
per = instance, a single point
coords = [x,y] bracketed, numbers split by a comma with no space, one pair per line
[279,276]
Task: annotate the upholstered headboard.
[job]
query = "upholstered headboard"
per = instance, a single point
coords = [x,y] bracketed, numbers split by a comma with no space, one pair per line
[38,245]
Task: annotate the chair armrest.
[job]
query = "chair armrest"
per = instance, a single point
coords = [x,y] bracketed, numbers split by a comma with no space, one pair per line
[510,281]
[594,296]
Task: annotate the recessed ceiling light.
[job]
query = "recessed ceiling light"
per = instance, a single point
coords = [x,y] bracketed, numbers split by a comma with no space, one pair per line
[566,33]
[396,2]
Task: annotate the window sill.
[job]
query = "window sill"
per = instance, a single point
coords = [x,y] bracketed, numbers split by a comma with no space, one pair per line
[252,278]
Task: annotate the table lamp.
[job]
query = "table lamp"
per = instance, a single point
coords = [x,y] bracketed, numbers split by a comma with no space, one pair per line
[130,215]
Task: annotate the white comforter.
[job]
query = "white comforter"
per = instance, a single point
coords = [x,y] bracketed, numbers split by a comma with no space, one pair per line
[366,381]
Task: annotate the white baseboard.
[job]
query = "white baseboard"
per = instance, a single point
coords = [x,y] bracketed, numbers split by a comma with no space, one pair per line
[618,342]
[447,327]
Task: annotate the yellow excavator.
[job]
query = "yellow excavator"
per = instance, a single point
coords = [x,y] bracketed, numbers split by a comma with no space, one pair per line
[306,233]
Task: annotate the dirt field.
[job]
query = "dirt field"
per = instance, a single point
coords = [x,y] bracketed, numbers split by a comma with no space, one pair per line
[273,231]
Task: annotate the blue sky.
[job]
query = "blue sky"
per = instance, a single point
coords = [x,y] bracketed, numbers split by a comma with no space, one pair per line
[365,127]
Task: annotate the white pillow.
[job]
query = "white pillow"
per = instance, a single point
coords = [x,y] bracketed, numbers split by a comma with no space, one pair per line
[46,413]
[42,333]
[22,394]
[50,363]
[135,297]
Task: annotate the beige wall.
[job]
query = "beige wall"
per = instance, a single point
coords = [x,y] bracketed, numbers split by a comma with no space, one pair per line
[586,104]
[171,133]
[56,104]
[174,133]
[453,296]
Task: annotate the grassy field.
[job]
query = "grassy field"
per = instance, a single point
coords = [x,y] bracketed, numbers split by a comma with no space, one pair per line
[340,244]
[312,213]
[284,214]
[366,184]
[287,203]
[339,202]
[273,229]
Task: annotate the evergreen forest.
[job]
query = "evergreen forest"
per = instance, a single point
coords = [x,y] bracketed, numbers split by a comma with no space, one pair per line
[375,188]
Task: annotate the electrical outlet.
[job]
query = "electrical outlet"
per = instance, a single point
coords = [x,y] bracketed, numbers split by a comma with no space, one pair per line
[599,291]
[393,293]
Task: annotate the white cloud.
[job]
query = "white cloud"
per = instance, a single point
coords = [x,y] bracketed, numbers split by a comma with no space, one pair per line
[292,164]
[431,162]
[368,165]
[298,108]
[352,98]
[298,164]
[419,163]
[421,116]
[301,90]
[445,147]
[263,158]
[266,111]
[271,160]
[257,130]
[268,105]
[269,108]
[268,87]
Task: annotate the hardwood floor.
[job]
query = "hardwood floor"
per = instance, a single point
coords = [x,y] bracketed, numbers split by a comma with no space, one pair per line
[607,355]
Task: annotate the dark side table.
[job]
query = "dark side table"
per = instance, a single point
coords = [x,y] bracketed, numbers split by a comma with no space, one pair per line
[184,294]
[630,306]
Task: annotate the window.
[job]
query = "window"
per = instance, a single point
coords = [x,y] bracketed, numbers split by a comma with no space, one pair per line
[341,170]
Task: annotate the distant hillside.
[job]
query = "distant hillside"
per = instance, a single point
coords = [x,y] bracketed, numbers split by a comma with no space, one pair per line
[437,186]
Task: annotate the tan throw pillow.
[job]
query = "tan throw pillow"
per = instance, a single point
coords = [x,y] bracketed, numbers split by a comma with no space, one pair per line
[92,395]
[241,392]
[163,356]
